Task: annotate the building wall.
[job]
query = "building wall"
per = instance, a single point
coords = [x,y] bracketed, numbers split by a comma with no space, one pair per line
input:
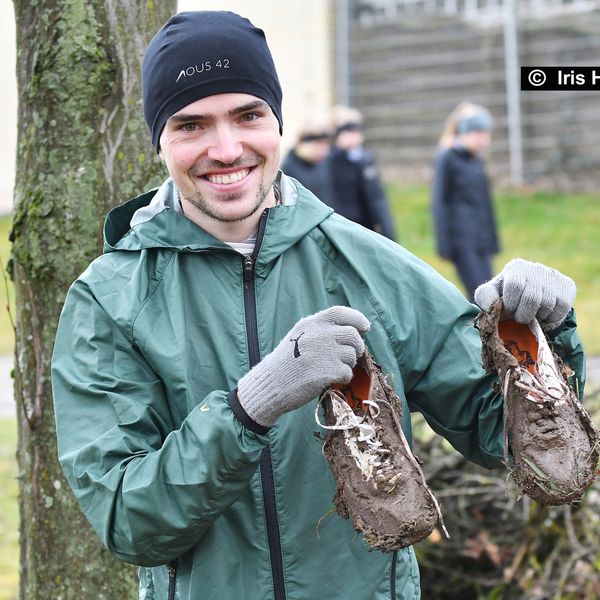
[299,35]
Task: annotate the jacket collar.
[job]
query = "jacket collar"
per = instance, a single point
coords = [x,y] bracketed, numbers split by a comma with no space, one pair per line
[155,220]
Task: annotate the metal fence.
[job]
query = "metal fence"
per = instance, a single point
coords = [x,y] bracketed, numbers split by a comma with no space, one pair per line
[407,64]
[480,11]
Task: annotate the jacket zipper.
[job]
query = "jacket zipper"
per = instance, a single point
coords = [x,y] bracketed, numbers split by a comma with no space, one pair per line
[250,308]
[393,576]
[266,465]
[172,570]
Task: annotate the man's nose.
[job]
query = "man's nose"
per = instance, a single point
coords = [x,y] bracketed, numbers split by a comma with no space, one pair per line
[224,145]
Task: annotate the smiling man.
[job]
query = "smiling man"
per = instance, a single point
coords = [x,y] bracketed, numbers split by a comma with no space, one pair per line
[223,155]
[189,356]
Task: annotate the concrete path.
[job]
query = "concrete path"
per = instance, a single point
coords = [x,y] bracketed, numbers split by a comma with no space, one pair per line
[7,403]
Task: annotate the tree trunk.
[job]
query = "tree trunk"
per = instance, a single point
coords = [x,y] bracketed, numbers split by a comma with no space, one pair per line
[83,147]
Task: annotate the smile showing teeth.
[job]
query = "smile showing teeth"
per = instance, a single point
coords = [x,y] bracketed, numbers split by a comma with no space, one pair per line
[228,177]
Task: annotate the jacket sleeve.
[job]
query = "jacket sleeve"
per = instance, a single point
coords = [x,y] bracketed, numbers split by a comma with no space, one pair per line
[458,399]
[566,343]
[149,490]
[440,194]
[375,198]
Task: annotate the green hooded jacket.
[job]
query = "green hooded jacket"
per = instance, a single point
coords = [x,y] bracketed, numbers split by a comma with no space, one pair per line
[167,467]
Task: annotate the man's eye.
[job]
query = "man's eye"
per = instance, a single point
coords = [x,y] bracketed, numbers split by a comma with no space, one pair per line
[250,116]
[189,127]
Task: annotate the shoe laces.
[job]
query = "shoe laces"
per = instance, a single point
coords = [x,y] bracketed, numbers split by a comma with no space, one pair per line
[360,432]
[545,383]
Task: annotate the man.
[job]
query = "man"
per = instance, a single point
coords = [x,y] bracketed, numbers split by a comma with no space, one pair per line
[358,191]
[189,356]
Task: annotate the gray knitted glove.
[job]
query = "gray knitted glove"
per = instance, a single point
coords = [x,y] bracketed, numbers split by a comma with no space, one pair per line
[319,350]
[529,291]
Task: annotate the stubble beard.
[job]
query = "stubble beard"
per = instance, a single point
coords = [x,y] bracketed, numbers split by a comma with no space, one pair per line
[204,206]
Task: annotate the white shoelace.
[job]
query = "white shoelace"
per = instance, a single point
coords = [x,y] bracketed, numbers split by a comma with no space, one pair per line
[372,459]
[546,381]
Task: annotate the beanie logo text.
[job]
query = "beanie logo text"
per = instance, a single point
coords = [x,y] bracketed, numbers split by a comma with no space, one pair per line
[203,67]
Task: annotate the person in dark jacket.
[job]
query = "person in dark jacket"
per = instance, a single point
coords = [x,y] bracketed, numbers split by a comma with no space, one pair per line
[190,356]
[463,213]
[308,160]
[358,192]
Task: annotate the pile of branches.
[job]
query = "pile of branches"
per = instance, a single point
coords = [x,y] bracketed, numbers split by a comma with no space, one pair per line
[503,546]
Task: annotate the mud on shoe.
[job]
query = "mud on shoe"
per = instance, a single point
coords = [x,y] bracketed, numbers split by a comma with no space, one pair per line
[379,483]
[550,443]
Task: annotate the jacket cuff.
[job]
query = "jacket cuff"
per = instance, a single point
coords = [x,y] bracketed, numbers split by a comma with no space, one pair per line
[242,416]
[568,323]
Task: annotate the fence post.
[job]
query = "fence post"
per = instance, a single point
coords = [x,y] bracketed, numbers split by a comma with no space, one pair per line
[513,77]
[342,52]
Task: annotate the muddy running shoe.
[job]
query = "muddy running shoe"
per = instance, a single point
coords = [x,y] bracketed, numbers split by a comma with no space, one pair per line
[551,445]
[379,483]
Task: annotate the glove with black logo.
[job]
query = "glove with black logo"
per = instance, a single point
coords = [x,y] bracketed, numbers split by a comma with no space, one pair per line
[319,351]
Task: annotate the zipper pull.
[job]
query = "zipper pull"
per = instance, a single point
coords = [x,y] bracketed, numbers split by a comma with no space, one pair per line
[172,571]
[248,269]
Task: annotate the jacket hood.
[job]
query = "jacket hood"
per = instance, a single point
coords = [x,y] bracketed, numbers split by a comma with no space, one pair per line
[155,220]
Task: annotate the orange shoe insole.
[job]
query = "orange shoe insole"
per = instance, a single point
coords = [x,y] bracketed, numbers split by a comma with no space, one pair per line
[520,342]
[357,390]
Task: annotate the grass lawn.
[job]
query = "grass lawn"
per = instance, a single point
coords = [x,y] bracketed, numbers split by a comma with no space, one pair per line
[558,230]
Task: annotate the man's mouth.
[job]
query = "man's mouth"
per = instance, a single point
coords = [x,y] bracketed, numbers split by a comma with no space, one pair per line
[227,178]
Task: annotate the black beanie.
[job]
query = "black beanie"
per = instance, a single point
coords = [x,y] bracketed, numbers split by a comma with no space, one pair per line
[199,54]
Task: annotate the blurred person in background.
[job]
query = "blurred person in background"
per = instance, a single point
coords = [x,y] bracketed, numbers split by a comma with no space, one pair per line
[463,213]
[308,160]
[359,193]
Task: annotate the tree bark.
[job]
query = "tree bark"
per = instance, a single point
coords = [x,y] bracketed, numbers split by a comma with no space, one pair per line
[82,148]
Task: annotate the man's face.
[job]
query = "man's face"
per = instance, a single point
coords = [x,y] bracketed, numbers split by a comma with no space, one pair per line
[222,153]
